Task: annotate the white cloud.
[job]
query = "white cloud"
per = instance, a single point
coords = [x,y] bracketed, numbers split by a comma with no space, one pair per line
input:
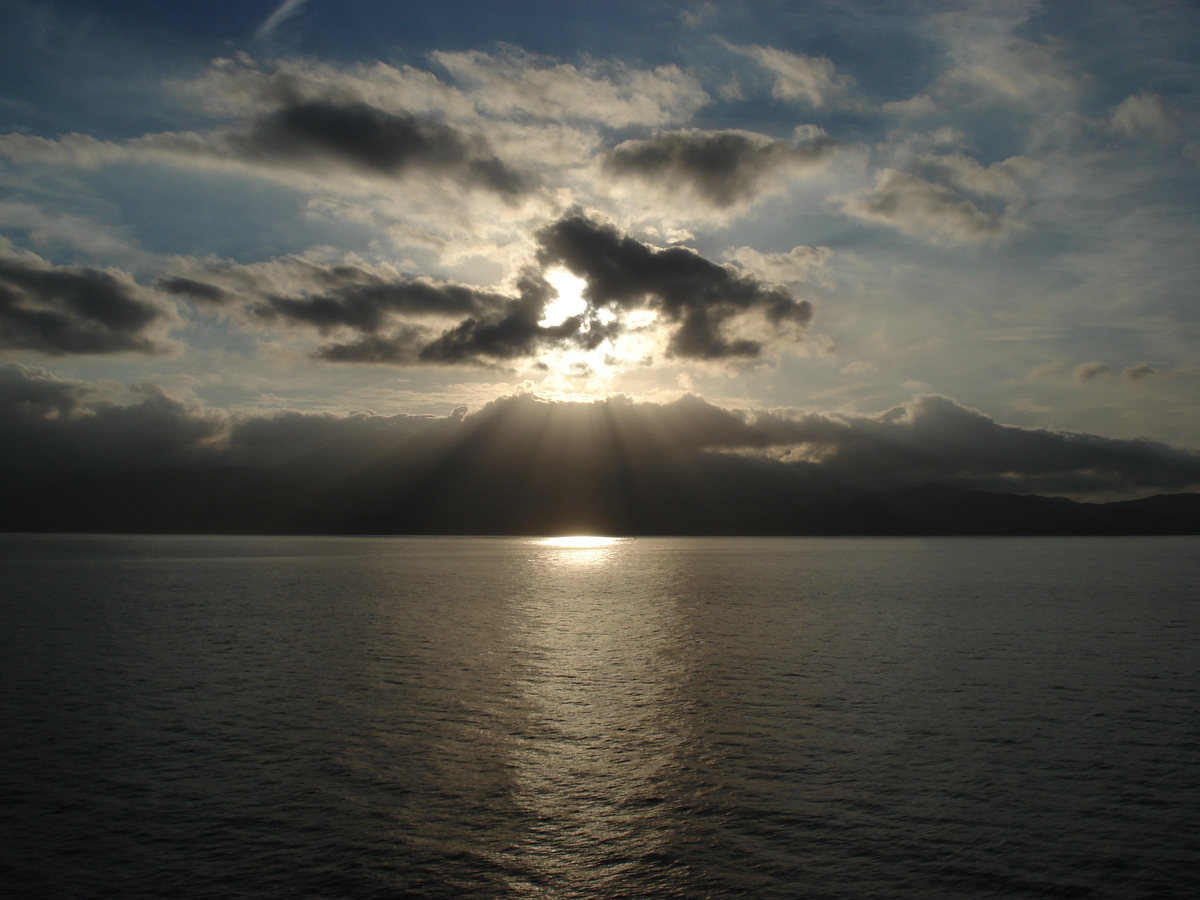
[1142,115]
[808,80]
[286,10]
[916,106]
[800,264]
[513,83]
[76,232]
[1000,180]
[923,209]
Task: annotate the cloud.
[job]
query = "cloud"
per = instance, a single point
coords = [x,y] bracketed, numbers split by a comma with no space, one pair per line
[361,300]
[1045,370]
[695,18]
[508,329]
[1090,371]
[376,314]
[807,80]
[395,315]
[1142,115]
[317,138]
[1138,372]
[62,425]
[241,88]
[991,65]
[799,264]
[913,107]
[698,299]
[924,209]
[286,10]
[1000,180]
[934,439]
[78,150]
[722,169]
[60,310]
[65,230]
[515,332]
[197,291]
[515,83]
[371,141]
[634,448]
[402,346]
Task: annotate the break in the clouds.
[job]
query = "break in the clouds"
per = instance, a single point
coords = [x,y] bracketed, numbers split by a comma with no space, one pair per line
[61,310]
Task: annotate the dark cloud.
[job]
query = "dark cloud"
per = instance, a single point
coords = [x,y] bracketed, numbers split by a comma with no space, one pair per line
[199,291]
[365,301]
[933,439]
[65,426]
[709,311]
[524,466]
[723,168]
[31,395]
[1138,372]
[496,326]
[699,298]
[513,333]
[326,443]
[60,310]
[400,348]
[1090,371]
[511,329]
[374,142]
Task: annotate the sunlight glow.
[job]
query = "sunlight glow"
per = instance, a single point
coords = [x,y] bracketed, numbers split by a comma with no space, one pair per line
[578,541]
[570,300]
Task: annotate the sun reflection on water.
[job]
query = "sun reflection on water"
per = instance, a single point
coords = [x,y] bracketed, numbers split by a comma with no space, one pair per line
[592,767]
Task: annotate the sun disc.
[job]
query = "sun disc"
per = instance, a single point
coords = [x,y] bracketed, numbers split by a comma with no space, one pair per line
[578,541]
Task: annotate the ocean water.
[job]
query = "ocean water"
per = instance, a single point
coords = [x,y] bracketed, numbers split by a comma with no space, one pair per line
[471,717]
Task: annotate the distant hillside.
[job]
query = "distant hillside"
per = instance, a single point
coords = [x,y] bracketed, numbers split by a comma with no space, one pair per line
[714,494]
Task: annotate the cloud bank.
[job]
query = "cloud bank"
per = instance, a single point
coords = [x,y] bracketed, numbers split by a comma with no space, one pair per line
[60,426]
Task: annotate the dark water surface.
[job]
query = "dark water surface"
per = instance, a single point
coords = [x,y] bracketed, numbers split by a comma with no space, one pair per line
[460,717]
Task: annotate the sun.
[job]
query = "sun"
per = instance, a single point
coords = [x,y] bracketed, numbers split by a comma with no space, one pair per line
[570,300]
[578,541]
[578,373]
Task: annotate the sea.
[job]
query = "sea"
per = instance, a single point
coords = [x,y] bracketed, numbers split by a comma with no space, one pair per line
[429,717]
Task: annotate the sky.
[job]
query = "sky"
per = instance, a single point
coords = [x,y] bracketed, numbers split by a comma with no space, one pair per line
[893,242]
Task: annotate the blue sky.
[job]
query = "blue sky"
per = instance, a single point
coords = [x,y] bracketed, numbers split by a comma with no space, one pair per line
[834,209]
